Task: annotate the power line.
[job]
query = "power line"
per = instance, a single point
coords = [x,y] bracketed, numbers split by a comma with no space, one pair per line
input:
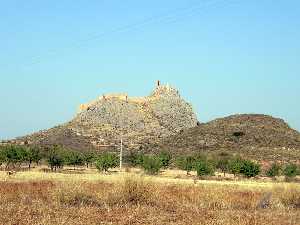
[170,17]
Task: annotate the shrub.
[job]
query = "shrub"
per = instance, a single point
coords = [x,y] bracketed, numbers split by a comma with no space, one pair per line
[290,170]
[165,158]
[151,164]
[250,169]
[235,165]
[135,158]
[185,163]
[289,196]
[274,170]
[106,161]
[75,196]
[135,191]
[204,168]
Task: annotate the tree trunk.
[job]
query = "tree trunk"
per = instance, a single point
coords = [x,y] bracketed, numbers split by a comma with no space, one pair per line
[29,166]
[7,165]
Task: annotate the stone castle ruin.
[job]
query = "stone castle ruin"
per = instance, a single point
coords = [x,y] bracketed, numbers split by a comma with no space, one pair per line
[160,114]
[159,91]
[164,120]
[138,120]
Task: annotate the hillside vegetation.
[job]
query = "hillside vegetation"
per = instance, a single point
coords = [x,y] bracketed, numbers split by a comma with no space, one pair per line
[258,137]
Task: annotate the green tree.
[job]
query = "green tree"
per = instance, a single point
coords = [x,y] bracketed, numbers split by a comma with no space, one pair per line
[33,155]
[56,157]
[185,163]
[151,164]
[88,158]
[74,159]
[2,156]
[274,170]
[14,155]
[250,169]
[204,168]
[290,170]
[223,165]
[165,158]
[106,161]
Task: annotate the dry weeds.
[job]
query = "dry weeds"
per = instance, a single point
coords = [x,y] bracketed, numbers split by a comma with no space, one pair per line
[135,200]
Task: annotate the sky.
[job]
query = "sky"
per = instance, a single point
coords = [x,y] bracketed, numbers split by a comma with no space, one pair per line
[225,56]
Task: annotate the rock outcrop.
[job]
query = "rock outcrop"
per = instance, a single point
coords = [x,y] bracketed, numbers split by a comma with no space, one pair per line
[102,122]
[163,120]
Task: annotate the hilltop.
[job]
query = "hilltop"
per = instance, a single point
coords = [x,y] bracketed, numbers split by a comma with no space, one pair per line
[101,123]
[165,121]
[252,135]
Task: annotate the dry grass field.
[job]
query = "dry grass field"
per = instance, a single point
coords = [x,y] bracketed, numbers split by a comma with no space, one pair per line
[88,197]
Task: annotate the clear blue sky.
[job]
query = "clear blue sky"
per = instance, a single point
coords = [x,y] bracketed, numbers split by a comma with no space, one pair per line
[225,56]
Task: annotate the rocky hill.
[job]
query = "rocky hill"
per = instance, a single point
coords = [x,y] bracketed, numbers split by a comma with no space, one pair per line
[163,120]
[255,136]
[101,123]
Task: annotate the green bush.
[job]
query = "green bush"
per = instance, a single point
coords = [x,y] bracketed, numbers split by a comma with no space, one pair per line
[249,168]
[165,158]
[235,165]
[274,170]
[106,161]
[185,163]
[204,168]
[135,158]
[290,170]
[151,164]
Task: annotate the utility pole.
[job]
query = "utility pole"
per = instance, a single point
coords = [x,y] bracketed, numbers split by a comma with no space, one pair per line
[121,154]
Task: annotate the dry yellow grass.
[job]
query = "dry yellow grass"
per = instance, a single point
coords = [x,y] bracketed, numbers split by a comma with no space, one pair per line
[127,198]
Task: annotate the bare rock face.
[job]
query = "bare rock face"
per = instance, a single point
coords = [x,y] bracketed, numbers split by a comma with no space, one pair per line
[137,119]
[161,114]
[171,110]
